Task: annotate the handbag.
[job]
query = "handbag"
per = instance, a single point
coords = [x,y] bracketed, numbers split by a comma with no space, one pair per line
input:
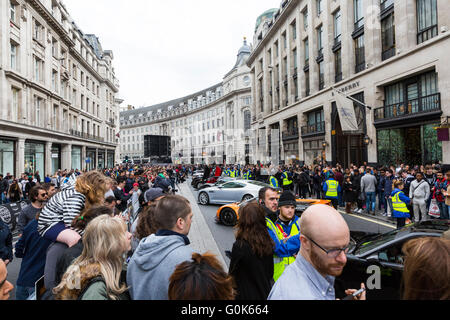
[434,209]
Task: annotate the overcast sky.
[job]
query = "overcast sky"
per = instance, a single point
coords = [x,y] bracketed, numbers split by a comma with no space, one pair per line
[167,49]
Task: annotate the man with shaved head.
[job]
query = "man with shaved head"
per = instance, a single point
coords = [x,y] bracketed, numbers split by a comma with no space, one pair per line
[325,241]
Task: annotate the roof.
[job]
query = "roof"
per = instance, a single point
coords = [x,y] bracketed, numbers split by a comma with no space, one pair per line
[243,54]
[165,105]
[268,14]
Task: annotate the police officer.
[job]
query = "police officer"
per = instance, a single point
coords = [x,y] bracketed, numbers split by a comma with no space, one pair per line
[274,182]
[399,204]
[287,181]
[332,188]
[285,233]
[248,175]
[233,173]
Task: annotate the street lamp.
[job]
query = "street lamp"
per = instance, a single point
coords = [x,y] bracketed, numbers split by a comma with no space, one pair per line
[367,140]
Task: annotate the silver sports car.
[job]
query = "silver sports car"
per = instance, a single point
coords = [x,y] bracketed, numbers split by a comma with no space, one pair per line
[230,192]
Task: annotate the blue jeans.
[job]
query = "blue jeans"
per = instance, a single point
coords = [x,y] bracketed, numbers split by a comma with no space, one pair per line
[341,199]
[370,201]
[3,198]
[381,200]
[23,293]
[443,209]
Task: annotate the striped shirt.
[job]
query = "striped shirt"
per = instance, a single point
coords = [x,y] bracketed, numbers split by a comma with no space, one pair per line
[62,207]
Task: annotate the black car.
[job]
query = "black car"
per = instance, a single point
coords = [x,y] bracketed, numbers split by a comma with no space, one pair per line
[382,255]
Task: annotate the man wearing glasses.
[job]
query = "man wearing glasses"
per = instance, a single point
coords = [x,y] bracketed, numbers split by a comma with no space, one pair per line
[325,241]
[38,197]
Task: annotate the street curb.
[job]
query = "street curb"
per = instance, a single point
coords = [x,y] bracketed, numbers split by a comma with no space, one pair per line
[200,235]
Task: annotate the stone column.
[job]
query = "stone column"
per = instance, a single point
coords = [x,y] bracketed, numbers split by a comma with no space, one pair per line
[66,157]
[20,158]
[48,159]
[83,158]
[96,159]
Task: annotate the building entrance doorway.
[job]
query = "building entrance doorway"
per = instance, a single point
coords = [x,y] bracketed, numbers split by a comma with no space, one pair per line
[350,149]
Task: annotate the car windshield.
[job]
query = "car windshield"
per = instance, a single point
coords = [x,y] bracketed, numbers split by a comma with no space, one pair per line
[375,241]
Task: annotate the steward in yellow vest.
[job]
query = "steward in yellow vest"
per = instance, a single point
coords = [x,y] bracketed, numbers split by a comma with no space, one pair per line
[285,233]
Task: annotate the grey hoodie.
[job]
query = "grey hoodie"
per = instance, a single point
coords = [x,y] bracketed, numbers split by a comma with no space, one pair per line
[152,264]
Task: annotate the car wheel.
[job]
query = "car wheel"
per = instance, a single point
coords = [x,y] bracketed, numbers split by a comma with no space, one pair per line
[203,198]
[247,197]
[228,217]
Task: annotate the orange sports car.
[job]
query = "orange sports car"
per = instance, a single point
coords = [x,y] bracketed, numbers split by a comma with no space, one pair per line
[229,214]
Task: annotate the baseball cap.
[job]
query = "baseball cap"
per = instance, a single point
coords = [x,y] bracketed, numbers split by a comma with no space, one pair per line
[136,184]
[153,194]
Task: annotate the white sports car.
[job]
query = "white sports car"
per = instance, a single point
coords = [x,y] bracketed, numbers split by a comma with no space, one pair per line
[230,192]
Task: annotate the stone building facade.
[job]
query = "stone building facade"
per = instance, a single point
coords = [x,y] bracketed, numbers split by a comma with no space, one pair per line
[209,126]
[58,92]
[389,55]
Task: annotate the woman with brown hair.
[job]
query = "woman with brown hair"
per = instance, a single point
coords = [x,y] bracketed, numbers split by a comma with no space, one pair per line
[15,192]
[426,273]
[202,278]
[252,256]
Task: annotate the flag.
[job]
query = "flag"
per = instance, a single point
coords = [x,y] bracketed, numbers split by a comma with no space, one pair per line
[346,112]
[118,135]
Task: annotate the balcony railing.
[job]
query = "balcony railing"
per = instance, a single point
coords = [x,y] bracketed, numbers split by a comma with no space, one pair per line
[291,134]
[85,135]
[413,107]
[315,129]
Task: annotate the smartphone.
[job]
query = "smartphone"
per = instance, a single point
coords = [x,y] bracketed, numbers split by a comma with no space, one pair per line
[357,293]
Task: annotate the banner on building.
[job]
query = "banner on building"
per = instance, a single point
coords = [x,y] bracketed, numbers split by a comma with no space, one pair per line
[346,112]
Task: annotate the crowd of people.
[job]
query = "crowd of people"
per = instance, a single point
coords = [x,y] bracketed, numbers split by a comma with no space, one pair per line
[122,234]
[364,189]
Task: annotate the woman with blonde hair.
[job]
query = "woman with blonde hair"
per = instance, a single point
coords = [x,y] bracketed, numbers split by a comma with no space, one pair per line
[97,273]
[78,194]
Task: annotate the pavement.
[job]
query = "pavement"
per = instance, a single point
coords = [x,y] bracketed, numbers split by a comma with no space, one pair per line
[200,235]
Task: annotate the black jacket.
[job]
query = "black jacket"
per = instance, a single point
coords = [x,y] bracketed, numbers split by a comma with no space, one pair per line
[6,238]
[253,275]
[66,260]
[120,195]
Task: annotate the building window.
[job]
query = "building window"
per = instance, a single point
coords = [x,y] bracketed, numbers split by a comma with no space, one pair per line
[37,108]
[14,52]
[320,41]
[54,48]
[337,27]
[13,11]
[338,66]
[284,38]
[307,86]
[388,37]
[306,46]
[37,31]
[358,13]
[426,20]
[360,61]
[294,30]
[38,69]
[321,75]
[15,104]
[54,80]
[305,18]
[319,5]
